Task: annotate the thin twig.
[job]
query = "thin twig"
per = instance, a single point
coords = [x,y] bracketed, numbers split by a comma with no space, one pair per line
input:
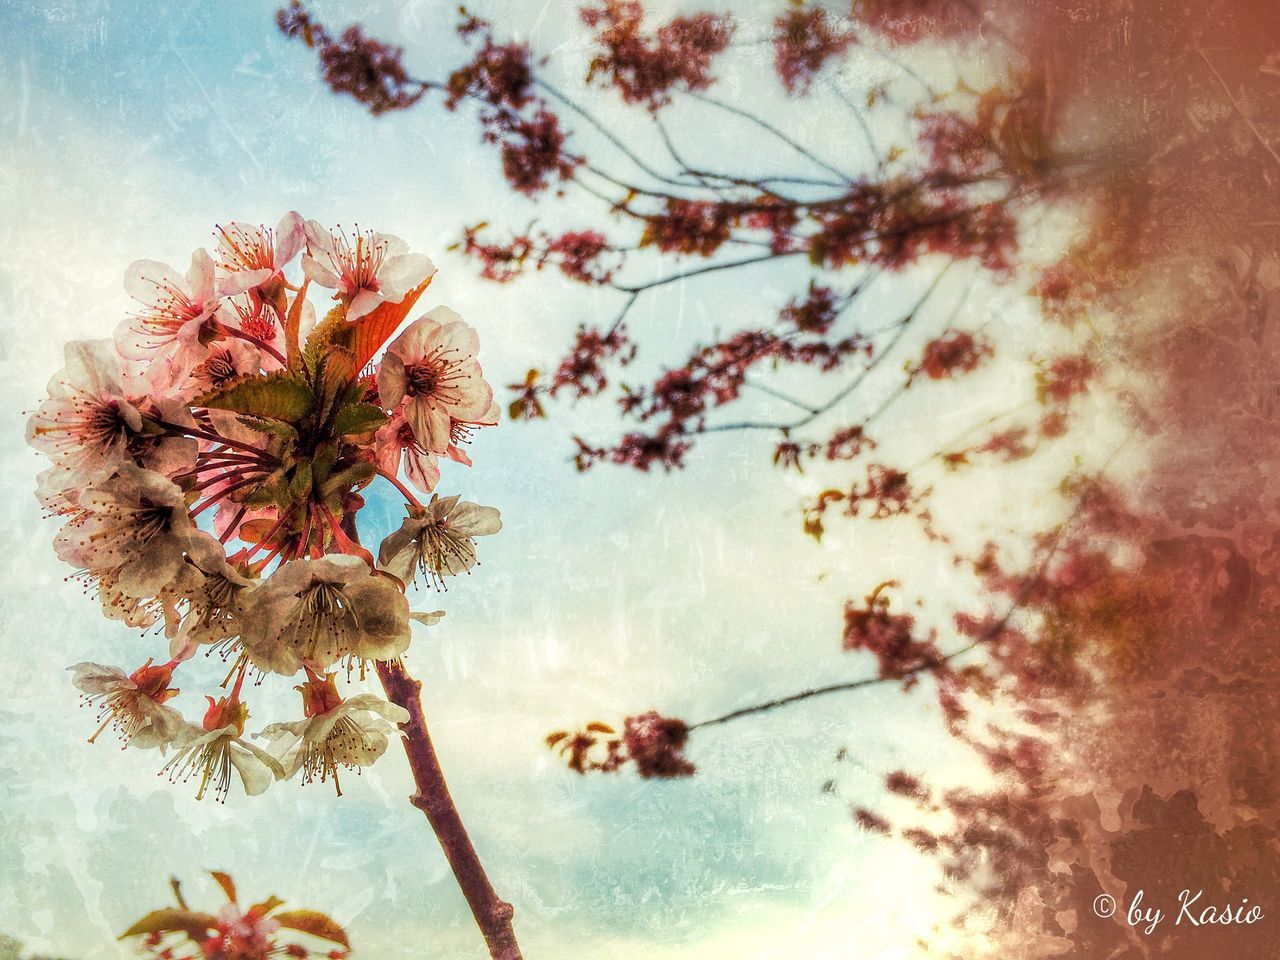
[698,271]
[989,634]
[770,128]
[848,388]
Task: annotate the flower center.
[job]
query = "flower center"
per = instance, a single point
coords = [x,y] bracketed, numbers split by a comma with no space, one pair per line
[358,265]
[243,251]
[422,380]
[220,368]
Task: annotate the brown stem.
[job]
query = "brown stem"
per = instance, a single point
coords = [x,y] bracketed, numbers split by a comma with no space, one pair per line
[492,913]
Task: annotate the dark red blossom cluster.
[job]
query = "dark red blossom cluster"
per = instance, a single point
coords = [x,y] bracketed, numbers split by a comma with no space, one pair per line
[701,227]
[1078,283]
[645,67]
[579,254]
[499,74]
[665,448]
[953,354]
[499,262]
[582,372]
[359,66]
[653,743]
[954,145]
[804,39]
[816,313]
[528,135]
[688,226]
[895,231]
[1064,379]
[532,149]
[889,637]
[845,443]
[887,492]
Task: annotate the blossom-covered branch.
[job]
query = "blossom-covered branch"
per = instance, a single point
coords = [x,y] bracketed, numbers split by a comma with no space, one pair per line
[208,466]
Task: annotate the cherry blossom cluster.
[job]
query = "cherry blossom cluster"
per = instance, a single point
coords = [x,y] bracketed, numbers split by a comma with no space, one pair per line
[645,67]
[804,39]
[208,466]
[255,932]
[652,743]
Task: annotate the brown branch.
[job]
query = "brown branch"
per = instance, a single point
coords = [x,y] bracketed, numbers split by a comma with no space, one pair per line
[987,635]
[698,271]
[844,391]
[492,913]
[609,135]
[770,128]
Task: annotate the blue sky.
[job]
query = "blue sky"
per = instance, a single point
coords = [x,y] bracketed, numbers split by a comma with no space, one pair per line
[130,129]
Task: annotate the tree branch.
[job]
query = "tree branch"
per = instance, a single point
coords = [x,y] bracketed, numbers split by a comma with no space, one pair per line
[848,388]
[492,914]
[698,271]
[770,128]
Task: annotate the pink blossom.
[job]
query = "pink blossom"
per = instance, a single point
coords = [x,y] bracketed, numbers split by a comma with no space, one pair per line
[247,257]
[461,430]
[85,424]
[93,421]
[227,361]
[177,311]
[259,322]
[373,269]
[396,444]
[433,363]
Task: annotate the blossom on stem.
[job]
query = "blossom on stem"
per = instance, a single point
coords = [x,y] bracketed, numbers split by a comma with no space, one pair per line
[433,363]
[215,747]
[334,732]
[376,267]
[205,607]
[223,405]
[249,257]
[396,444]
[226,362]
[317,612]
[174,324]
[134,527]
[132,703]
[92,422]
[257,320]
[460,433]
[438,540]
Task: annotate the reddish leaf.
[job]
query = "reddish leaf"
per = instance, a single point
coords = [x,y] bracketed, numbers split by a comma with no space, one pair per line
[226,883]
[189,922]
[266,906]
[315,923]
[367,335]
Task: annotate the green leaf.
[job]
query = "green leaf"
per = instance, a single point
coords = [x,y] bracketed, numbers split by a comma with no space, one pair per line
[300,485]
[322,461]
[358,474]
[315,923]
[358,418]
[322,334]
[274,427]
[277,396]
[163,921]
